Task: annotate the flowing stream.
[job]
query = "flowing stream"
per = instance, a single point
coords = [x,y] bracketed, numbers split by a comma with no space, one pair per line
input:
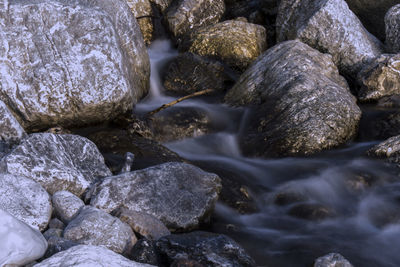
[358,197]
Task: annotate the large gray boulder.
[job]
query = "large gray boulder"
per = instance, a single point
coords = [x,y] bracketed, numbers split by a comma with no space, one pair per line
[392,27]
[20,244]
[26,200]
[301,104]
[178,194]
[57,162]
[70,62]
[329,26]
[86,255]
[10,129]
[96,227]
[237,43]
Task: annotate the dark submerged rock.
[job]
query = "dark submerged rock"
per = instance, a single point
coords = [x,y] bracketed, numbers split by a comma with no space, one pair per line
[144,251]
[311,211]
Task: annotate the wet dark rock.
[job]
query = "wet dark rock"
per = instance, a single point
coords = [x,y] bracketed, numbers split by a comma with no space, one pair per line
[142,223]
[299,103]
[57,162]
[144,251]
[57,244]
[184,17]
[177,123]
[189,73]
[372,13]
[186,263]
[234,42]
[332,260]
[288,197]
[208,249]
[311,211]
[71,62]
[178,194]
[96,227]
[388,149]
[56,224]
[66,205]
[380,78]
[115,143]
[379,124]
[392,23]
[10,129]
[330,27]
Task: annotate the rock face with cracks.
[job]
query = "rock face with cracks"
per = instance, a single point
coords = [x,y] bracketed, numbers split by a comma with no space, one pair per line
[178,194]
[300,103]
[70,63]
[10,129]
[57,162]
[331,27]
[392,25]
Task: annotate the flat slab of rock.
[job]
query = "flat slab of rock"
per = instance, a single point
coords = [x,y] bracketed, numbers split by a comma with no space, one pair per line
[26,200]
[96,227]
[301,105]
[66,205]
[392,25]
[57,162]
[178,194]
[10,129]
[85,255]
[208,249]
[329,26]
[234,42]
[332,260]
[20,244]
[70,62]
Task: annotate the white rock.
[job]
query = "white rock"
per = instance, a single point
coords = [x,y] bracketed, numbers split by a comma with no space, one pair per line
[10,129]
[20,244]
[66,205]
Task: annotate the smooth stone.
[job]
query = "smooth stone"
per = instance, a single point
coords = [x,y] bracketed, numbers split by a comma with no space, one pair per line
[66,205]
[392,25]
[57,162]
[11,130]
[332,260]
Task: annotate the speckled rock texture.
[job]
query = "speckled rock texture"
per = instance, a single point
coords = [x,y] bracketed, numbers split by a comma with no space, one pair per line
[70,63]
[143,12]
[301,105]
[26,200]
[208,249]
[20,244]
[380,78]
[84,256]
[189,73]
[329,26]
[183,17]
[96,227]
[144,224]
[66,205]
[372,13]
[332,260]
[57,162]
[392,26]
[388,149]
[10,129]
[57,244]
[234,42]
[178,194]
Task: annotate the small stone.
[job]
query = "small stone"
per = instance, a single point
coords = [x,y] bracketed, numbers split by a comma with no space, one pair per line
[56,224]
[332,260]
[144,251]
[57,244]
[66,205]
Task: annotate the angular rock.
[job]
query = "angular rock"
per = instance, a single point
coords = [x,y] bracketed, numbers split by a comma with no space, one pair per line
[57,162]
[143,12]
[96,227]
[329,26]
[206,248]
[392,25]
[178,194]
[332,260]
[234,42]
[145,251]
[388,149]
[70,63]
[301,105]
[10,129]
[186,16]
[20,244]
[26,200]
[380,78]
[189,73]
[86,255]
[66,205]
[144,224]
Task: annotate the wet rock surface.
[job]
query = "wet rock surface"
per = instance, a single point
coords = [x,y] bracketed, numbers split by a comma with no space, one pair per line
[86,255]
[10,129]
[331,27]
[379,123]
[92,76]
[311,211]
[66,205]
[57,162]
[144,251]
[388,149]
[26,200]
[332,259]
[96,227]
[154,190]
[234,42]
[205,248]
[392,25]
[301,104]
